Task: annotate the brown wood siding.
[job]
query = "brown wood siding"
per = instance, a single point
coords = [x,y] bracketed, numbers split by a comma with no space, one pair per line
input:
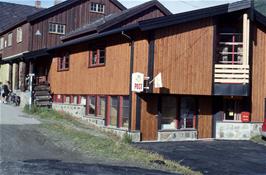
[74,17]
[205,117]
[184,56]
[17,48]
[258,74]
[149,118]
[111,79]
[140,65]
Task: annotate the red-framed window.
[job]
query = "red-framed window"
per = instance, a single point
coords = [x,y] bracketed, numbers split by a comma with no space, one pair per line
[63,62]
[97,57]
[101,106]
[124,111]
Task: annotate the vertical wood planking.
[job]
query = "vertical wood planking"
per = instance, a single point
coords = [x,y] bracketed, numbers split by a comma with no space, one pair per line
[184,55]
[258,74]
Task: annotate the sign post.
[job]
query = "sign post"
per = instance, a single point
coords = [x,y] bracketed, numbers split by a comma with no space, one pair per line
[30,85]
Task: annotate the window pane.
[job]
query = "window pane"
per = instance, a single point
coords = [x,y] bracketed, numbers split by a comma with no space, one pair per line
[168,112]
[10,38]
[75,100]
[67,99]
[94,57]
[93,7]
[102,105]
[66,61]
[114,111]
[125,114]
[92,105]
[102,56]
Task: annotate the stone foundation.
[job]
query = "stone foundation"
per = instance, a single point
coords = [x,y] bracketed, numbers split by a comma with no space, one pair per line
[237,131]
[71,109]
[179,135]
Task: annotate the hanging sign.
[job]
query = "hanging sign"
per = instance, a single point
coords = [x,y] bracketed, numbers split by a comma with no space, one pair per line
[158,81]
[137,82]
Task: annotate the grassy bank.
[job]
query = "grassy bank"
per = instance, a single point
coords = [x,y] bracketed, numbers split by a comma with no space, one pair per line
[91,141]
[259,140]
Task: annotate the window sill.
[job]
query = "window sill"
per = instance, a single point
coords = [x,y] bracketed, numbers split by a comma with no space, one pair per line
[97,65]
[232,121]
[56,33]
[177,130]
[62,70]
[97,12]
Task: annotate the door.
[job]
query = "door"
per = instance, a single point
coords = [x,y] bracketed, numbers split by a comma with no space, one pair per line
[205,118]
[149,118]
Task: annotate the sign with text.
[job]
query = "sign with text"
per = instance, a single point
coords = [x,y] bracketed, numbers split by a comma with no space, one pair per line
[137,82]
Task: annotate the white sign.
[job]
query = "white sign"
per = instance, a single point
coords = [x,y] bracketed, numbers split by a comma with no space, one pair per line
[158,81]
[137,82]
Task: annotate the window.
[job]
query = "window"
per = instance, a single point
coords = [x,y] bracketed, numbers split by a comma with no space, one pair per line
[9,39]
[1,43]
[125,112]
[67,99]
[101,106]
[113,111]
[57,28]
[97,57]
[187,112]
[92,105]
[19,35]
[168,112]
[96,7]
[63,63]
[75,100]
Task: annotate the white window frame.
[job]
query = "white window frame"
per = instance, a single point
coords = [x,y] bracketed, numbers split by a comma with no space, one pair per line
[1,43]
[95,7]
[57,28]
[9,39]
[19,35]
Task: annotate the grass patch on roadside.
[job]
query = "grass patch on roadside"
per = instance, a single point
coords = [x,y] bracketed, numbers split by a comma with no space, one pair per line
[259,139]
[110,147]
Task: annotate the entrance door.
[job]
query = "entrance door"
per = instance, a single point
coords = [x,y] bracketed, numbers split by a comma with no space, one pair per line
[149,118]
[205,118]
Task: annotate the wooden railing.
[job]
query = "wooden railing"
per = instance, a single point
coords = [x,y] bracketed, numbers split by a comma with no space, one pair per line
[229,73]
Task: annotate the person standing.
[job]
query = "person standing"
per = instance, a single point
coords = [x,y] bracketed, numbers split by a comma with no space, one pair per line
[6,91]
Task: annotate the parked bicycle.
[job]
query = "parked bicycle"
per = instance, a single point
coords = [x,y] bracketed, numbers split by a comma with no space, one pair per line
[13,99]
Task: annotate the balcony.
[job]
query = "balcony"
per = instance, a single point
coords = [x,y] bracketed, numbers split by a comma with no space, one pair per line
[231,69]
[231,73]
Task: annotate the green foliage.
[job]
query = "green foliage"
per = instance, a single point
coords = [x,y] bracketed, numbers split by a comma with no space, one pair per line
[127,138]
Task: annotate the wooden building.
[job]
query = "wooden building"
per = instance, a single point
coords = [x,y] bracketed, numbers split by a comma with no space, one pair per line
[211,62]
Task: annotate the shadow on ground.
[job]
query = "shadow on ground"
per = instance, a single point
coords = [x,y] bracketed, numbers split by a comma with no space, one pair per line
[215,157]
[57,167]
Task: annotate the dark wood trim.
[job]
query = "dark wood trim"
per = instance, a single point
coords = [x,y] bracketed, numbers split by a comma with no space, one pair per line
[108,111]
[214,53]
[138,112]
[132,48]
[151,61]
[159,115]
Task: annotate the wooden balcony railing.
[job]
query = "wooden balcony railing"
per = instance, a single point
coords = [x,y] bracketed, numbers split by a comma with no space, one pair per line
[230,73]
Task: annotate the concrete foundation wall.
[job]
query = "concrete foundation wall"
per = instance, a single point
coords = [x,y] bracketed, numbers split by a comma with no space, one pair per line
[180,135]
[237,131]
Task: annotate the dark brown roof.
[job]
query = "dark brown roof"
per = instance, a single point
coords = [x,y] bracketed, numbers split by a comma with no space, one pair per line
[11,14]
[115,18]
[63,5]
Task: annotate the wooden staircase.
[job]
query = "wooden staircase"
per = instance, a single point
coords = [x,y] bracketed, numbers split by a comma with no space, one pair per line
[42,95]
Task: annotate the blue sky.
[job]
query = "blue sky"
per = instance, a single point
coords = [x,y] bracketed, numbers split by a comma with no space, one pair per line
[175,6]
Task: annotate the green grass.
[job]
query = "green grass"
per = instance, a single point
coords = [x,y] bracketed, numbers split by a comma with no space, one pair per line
[259,139]
[105,145]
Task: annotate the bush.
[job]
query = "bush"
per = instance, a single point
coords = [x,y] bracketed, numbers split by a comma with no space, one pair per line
[127,138]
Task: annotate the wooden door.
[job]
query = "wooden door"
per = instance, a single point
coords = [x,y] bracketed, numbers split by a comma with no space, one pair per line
[205,118]
[149,118]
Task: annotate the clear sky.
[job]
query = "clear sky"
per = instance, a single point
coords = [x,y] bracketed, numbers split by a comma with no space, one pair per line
[175,6]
